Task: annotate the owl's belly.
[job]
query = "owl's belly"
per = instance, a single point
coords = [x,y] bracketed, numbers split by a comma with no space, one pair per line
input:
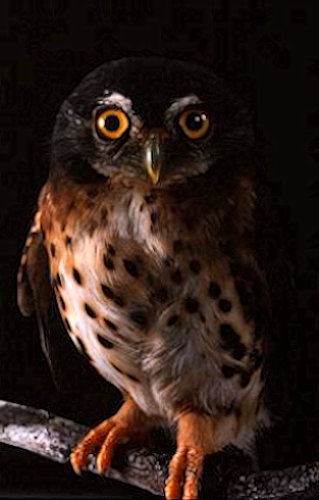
[169,330]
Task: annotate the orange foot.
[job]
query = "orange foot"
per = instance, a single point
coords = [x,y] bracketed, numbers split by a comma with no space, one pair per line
[194,441]
[127,422]
[185,469]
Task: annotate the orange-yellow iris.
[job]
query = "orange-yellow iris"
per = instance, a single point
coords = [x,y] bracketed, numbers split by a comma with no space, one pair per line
[112,123]
[195,123]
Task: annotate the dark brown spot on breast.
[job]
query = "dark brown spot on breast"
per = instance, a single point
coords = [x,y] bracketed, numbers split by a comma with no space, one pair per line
[92,192]
[191,305]
[110,324]
[228,371]
[77,276]
[231,341]
[67,324]
[68,241]
[108,262]
[139,317]
[176,277]
[154,217]
[172,320]
[224,305]
[161,294]
[214,290]
[194,266]
[58,280]
[178,246]
[52,249]
[105,342]
[119,301]
[104,215]
[128,375]
[110,250]
[131,267]
[228,335]
[150,198]
[132,377]
[83,349]
[62,303]
[107,291]
[89,311]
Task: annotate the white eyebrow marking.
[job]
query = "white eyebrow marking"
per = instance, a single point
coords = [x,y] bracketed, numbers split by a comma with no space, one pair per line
[117,99]
[182,102]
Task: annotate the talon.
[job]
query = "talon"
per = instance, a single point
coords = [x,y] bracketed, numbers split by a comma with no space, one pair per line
[75,464]
[106,436]
[94,439]
[193,474]
[103,460]
[175,478]
[185,472]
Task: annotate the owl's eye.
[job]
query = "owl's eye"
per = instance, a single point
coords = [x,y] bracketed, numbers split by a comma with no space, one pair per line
[111,123]
[195,123]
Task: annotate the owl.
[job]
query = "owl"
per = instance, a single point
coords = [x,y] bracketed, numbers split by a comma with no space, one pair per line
[150,233]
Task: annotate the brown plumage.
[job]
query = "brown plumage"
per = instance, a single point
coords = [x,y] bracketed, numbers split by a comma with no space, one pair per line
[153,260]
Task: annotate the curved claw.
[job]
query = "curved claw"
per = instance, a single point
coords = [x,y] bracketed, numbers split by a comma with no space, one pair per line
[105,436]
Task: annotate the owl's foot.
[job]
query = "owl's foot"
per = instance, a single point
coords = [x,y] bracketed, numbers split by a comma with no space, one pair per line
[195,439]
[106,436]
[185,470]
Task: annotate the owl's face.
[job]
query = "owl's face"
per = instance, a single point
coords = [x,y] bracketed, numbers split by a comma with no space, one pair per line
[159,121]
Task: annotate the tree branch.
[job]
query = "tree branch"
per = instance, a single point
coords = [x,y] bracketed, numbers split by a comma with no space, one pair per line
[53,437]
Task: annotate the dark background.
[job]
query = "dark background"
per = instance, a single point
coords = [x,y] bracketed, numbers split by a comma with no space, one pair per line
[268,50]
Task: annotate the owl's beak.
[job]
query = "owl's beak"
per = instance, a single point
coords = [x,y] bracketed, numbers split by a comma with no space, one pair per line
[153,153]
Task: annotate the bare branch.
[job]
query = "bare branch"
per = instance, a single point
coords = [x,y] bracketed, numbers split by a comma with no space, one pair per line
[53,437]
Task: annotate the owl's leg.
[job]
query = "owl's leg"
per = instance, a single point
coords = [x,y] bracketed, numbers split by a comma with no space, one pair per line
[195,439]
[129,421]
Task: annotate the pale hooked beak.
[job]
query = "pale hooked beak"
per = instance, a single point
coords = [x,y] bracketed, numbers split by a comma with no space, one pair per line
[153,153]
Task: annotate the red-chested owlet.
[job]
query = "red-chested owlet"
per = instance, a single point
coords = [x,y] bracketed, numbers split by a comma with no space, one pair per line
[147,227]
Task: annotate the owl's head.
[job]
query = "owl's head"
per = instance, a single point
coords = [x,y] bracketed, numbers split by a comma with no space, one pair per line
[157,120]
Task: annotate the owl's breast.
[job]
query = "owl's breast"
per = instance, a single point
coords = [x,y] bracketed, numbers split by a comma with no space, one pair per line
[155,310]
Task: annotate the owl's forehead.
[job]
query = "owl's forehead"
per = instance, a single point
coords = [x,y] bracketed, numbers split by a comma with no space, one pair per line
[149,86]
[111,98]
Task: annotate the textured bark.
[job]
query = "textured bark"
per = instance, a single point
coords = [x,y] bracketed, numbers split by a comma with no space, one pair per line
[53,437]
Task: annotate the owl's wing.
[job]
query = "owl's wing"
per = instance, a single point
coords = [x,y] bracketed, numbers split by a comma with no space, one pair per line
[35,294]
[82,389]
[34,290]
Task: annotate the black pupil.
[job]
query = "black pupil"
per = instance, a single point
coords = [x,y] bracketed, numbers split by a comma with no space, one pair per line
[194,121]
[112,123]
